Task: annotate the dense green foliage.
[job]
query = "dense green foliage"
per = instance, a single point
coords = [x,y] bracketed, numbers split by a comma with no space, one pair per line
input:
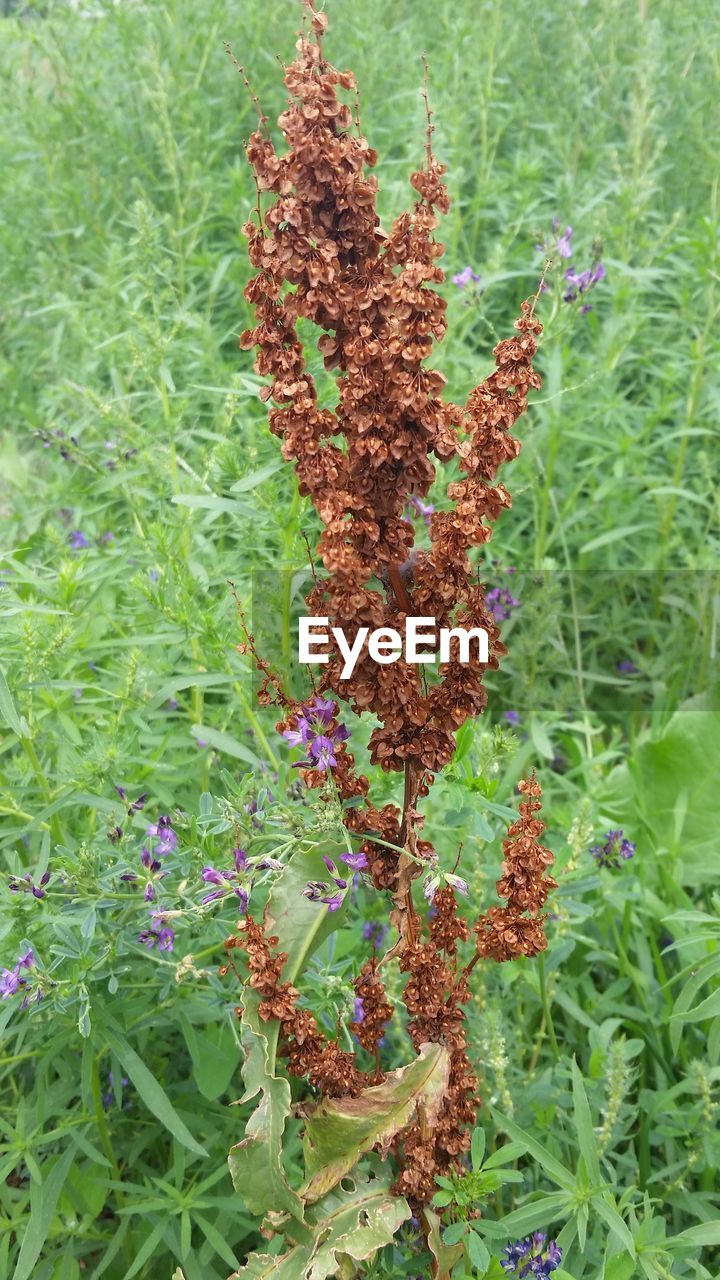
[130,418]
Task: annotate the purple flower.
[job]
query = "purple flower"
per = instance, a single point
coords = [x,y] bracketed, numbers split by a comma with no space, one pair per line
[26,885]
[358,1010]
[211,876]
[109,1096]
[626,667]
[77,540]
[333,902]
[356,861]
[512,717]
[159,934]
[240,859]
[615,850]
[532,1256]
[166,838]
[314,890]
[581,281]
[375,933]
[501,603]
[557,244]
[457,883]
[464,277]
[12,980]
[321,750]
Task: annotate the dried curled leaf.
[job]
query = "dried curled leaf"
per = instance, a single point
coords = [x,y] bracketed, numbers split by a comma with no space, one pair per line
[338,1132]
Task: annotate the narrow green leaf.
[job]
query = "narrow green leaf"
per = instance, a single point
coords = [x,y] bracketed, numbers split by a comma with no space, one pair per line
[607,1211]
[43,1203]
[552,1167]
[9,712]
[152,1093]
[584,1127]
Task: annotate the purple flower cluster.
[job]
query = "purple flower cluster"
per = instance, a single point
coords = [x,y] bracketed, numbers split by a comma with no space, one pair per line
[12,980]
[466,276]
[557,245]
[313,733]
[627,667]
[533,1256]
[159,934]
[234,882]
[26,884]
[321,891]
[375,933]
[501,603]
[582,281]
[512,717]
[614,851]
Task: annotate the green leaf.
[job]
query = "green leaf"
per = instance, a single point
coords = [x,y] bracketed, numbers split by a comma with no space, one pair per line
[605,1207]
[552,1167]
[645,792]
[477,1147]
[445,1255]
[345,1224]
[509,1151]
[339,1131]
[477,1251]
[43,1203]
[705,1233]
[9,711]
[301,926]
[708,1008]
[252,479]
[225,743]
[215,1056]
[584,1127]
[152,1093]
[529,1218]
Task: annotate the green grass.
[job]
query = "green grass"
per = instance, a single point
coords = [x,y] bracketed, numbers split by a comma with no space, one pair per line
[128,410]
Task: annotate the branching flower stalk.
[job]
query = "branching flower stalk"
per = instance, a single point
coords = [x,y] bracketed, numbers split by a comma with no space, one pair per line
[320,255]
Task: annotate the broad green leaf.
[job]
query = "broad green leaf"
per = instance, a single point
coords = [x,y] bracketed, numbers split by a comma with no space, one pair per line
[683,762]
[445,1255]
[339,1131]
[351,1224]
[552,1167]
[152,1093]
[705,1233]
[584,1127]
[509,1151]
[215,1056]
[43,1203]
[256,1165]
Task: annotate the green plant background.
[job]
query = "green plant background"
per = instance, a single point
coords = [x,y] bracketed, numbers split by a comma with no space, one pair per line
[128,413]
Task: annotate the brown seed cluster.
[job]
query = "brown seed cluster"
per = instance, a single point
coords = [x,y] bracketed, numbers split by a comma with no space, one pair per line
[321,256]
[517,929]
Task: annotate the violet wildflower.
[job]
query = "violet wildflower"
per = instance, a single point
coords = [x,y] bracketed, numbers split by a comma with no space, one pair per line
[26,884]
[159,934]
[358,1010]
[375,932]
[532,1256]
[501,603]
[614,851]
[511,717]
[314,890]
[461,278]
[312,731]
[12,980]
[334,902]
[626,667]
[556,245]
[582,281]
[356,861]
[166,838]
[77,540]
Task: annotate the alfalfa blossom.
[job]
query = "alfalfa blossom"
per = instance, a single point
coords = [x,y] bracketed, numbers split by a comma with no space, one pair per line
[580,282]
[26,884]
[465,277]
[15,979]
[615,850]
[533,1256]
[314,733]
[501,603]
[557,244]
[165,838]
[159,934]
